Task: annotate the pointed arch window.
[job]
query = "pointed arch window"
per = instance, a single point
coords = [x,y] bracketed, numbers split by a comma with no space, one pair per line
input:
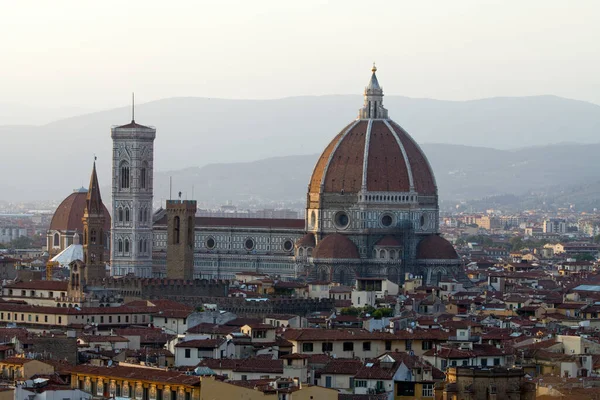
[126,245]
[176,225]
[124,175]
[120,214]
[145,245]
[141,217]
[144,175]
[127,215]
[140,246]
[120,246]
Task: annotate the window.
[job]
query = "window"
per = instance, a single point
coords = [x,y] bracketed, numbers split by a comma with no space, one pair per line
[126,214]
[405,389]
[484,362]
[102,319]
[59,320]
[388,345]
[360,384]
[327,381]
[120,246]
[93,236]
[408,345]
[351,382]
[348,346]
[307,347]
[244,377]
[126,245]
[188,353]
[124,178]
[496,361]
[120,215]
[326,347]
[444,365]
[176,226]
[426,345]
[366,346]
[428,390]
[110,319]
[56,240]
[143,177]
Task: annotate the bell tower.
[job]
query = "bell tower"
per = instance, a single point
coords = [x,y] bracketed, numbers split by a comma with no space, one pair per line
[181,223]
[93,231]
[132,192]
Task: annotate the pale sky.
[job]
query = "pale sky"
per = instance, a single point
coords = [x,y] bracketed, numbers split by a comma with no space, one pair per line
[93,54]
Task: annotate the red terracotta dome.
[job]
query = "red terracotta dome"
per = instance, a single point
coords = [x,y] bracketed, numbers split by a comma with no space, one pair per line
[373,153]
[377,152]
[336,246]
[307,240]
[67,216]
[389,240]
[435,247]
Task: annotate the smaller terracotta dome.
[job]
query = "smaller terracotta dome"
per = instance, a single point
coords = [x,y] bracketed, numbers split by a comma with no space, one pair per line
[389,241]
[336,246]
[69,213]
[307,240]
[435,247]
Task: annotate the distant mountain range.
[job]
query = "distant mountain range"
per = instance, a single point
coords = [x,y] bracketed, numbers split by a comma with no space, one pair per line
[557,173]
[205,136]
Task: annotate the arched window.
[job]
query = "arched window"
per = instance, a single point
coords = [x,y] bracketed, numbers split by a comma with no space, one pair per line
[127,215]
[392,254]
[145,214]
[120,214]
[176,224]
[143,175]
[126,245]
[124,177]
[190,232]
[140,248]
[145,245]
[141,215]
[56,240]
[93,236]
[120,246]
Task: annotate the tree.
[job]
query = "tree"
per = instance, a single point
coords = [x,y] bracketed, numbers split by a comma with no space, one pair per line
[22,242]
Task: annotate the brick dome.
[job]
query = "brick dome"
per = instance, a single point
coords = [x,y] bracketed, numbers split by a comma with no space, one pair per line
[373,153]
[307,240]
[69,213]
[336,246]
[435,247]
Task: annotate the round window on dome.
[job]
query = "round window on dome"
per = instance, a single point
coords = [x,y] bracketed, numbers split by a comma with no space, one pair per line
[288,245]
[249,244]
[341,220]
[210,243]
[387,220]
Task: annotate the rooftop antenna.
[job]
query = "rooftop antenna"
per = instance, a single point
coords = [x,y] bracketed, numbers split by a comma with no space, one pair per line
[132,106]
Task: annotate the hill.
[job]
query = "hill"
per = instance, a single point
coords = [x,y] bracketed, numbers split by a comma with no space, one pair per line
[48,161]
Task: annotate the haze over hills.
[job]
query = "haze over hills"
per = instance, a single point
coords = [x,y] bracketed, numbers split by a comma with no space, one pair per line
[48,161]
[462,173]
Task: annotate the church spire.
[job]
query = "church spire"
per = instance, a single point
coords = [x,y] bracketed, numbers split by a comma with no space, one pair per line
[93,199]
[373,107]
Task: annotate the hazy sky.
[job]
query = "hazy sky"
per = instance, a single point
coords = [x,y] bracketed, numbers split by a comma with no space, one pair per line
[94,53]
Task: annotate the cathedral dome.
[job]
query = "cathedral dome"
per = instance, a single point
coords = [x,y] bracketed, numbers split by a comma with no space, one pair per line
[336,246]
[373,154]
[69,213]
[435,247]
